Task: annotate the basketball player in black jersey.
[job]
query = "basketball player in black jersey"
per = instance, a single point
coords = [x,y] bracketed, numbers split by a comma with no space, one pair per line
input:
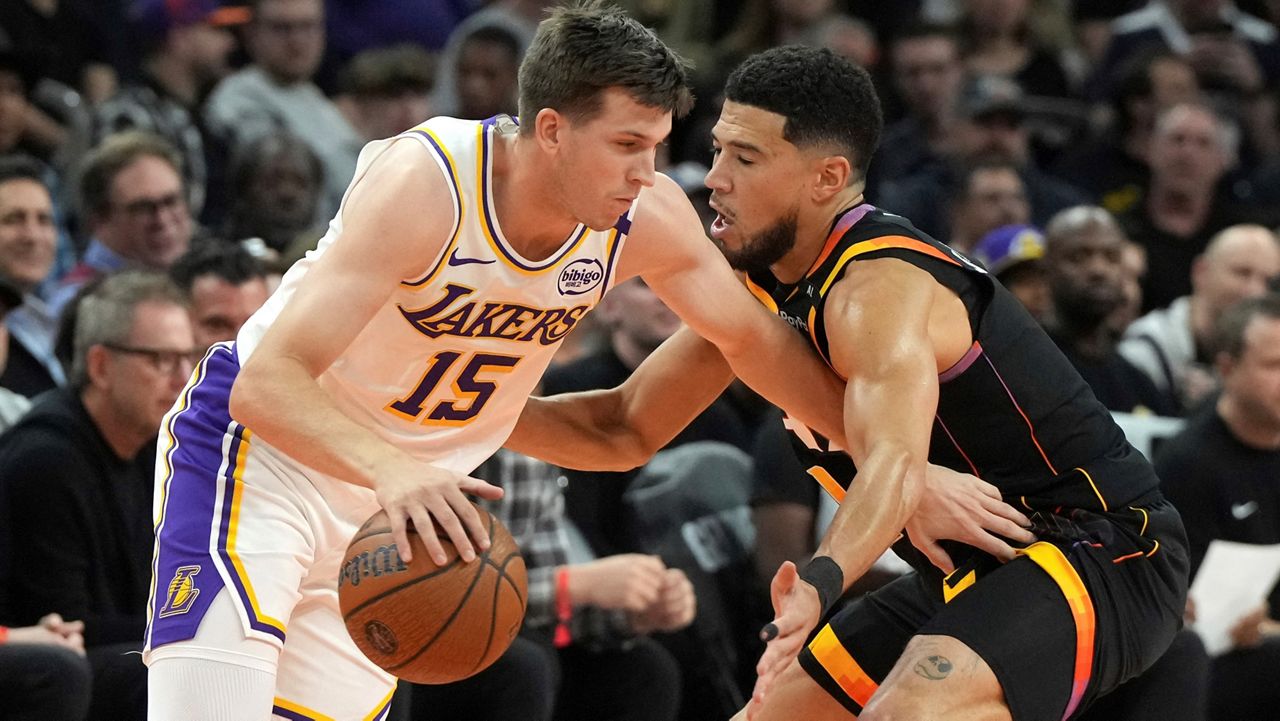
[943,366]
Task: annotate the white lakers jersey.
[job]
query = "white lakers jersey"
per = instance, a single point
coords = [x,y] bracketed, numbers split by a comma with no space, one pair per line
[444,367]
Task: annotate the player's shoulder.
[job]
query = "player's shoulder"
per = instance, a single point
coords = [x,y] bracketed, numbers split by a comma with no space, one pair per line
[881,224]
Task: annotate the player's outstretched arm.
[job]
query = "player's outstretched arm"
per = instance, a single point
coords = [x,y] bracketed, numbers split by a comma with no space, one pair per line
[620,428]
[386,238]
[878,331]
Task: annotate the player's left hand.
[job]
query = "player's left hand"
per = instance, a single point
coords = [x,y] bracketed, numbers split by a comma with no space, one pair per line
[796,610]
[964,508]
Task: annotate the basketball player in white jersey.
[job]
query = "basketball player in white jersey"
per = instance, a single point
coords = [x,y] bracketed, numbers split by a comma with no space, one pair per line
[397,356]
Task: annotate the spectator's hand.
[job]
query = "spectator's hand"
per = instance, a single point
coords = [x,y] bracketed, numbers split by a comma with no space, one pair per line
[1189,613]
[674,609]
[796,610]
[961,507]
[45,636]
[626,582]
[1256,625]
[54,623]
[409,490]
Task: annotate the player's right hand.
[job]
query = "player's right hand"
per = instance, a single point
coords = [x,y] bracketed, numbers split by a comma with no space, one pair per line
[796,611]
[432,497]
[964,508]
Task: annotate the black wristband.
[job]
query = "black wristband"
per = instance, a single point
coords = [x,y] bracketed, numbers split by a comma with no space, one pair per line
[824,574]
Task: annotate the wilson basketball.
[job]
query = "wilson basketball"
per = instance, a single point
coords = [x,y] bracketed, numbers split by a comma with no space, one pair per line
[427,623]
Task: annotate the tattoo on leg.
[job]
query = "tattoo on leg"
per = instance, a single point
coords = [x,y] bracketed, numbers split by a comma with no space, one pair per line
[934,668]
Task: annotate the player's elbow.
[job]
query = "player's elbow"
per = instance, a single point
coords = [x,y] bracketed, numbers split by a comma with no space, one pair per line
[248,401]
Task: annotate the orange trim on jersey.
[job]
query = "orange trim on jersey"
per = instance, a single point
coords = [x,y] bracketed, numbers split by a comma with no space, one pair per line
[828,483]
[956,443]
[1050,558]
[840,664]
[883,242]
[1097,492]
[765,299]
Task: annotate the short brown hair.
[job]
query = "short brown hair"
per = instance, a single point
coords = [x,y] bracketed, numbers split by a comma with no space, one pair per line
[586,48]
[113,155]
[1231,327]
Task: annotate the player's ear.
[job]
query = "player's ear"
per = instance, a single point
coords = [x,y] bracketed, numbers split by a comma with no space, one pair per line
[547,126]
[834,175]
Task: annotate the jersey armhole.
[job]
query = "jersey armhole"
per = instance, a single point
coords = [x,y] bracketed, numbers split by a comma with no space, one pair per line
[445,164]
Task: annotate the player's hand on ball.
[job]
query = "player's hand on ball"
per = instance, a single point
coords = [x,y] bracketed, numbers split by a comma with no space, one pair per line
[626,582]
[961,507]
[409,490]
[796,610]
[674,608]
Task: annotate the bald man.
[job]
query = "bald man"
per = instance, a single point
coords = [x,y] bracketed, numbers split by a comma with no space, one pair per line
[1172,345]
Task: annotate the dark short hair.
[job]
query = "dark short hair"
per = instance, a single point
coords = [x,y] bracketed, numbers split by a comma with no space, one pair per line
[584,49]
[389,71]
[825,98]
[495,35]
[249,159]
[112,156]
[967,171]
[22,167]
[229,261]
[1230,329]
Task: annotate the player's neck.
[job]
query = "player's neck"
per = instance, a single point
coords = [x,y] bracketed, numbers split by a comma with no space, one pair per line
[813,225]
[531,216]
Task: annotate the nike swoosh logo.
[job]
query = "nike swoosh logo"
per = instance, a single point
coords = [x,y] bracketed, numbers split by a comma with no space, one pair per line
[1242,511]
[454,260]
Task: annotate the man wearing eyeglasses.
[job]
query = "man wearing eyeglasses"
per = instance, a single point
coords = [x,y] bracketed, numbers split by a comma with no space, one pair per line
[76,477]
[136,207]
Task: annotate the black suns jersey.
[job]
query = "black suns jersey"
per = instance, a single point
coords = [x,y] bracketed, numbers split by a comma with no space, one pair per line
[1013,411]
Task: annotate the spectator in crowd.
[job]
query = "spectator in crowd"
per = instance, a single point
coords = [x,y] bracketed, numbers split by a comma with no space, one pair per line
[924,63]
[518,17]
[1112,166]
[1082,257]
[43,672]
[28,243]
[135,206]
[488,64]
[1221,472]
[1173,346]
[1236,56]
[992,127]
[1183,206]
[637,322]
[990,194]
[285,42]
[276,184]
[56,37]
[224,285]
[12,405]
[1014,254]
[185,47]
[76,475]
[1133,269]
[999,39]
[386,91]
[23,126]
[847,36]
[614,603]
[762,24]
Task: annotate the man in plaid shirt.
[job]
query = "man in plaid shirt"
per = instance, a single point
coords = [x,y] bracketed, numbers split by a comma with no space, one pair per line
[586,621]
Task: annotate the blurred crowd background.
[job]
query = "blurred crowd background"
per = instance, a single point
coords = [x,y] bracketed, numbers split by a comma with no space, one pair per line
[1116,163]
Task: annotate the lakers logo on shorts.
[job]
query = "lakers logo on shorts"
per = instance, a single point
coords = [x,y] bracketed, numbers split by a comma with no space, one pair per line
[182,592]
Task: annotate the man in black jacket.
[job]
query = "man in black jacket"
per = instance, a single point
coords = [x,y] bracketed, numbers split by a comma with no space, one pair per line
[76,477]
